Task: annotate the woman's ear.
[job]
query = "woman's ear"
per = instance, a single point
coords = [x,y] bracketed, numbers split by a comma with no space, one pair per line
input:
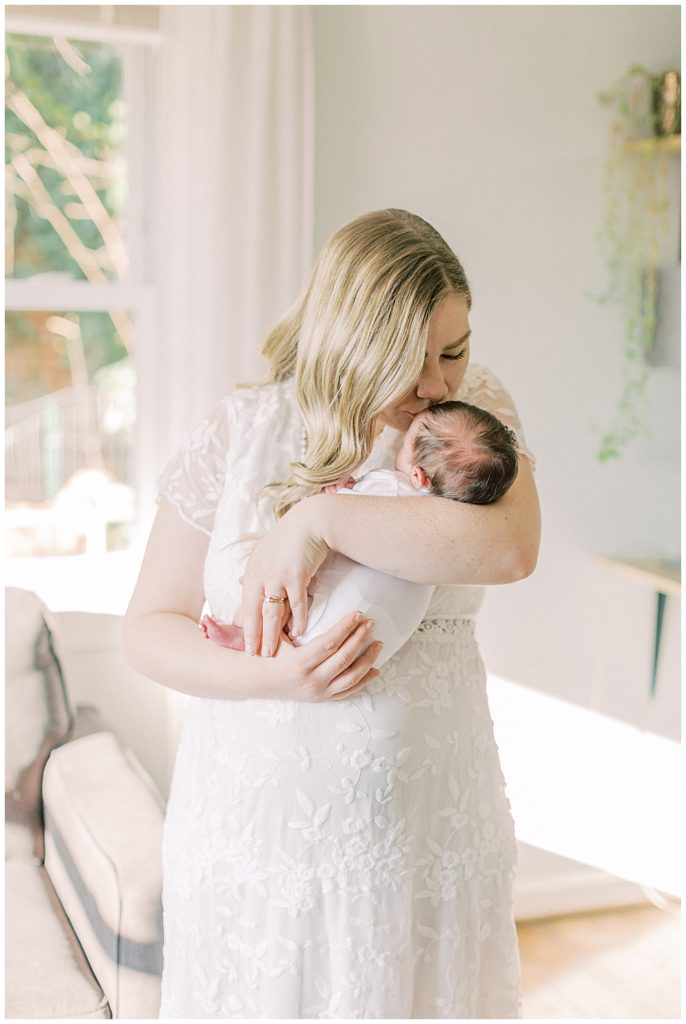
[419,478]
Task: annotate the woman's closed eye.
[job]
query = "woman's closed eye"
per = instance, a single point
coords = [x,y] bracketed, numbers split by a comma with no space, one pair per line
[460,355]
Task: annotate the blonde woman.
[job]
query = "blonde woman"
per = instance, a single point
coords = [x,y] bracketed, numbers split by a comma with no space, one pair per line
[338,841]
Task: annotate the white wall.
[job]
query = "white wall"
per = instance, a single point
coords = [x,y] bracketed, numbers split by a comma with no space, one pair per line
[485,121]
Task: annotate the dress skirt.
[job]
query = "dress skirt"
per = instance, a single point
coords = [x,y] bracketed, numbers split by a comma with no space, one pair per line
[347,859]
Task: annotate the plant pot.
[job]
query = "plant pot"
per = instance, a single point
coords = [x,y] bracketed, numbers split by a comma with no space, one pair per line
[667,103]
[666,347]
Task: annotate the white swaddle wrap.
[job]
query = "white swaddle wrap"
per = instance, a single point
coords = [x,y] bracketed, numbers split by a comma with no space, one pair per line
[341,586]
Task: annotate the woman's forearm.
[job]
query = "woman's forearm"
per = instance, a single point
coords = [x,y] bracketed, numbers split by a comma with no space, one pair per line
[172,650]
[433,540]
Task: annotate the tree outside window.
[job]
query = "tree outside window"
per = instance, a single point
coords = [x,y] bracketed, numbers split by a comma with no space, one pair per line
[70,382]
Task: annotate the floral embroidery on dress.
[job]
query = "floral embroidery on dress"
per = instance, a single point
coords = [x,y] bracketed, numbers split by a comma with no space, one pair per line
[348,859]
[481,387]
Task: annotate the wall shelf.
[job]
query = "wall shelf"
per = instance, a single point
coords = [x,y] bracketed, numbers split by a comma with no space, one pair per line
[656,144]
[656,573]
[663,577]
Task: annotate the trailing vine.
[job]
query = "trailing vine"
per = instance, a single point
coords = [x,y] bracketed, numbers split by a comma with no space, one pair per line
[631,240]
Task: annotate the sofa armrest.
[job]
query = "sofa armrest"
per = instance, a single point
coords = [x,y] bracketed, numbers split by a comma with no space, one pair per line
[103,852]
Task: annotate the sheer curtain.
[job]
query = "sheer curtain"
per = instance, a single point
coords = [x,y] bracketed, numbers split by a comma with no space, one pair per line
[231,218]
[233,207]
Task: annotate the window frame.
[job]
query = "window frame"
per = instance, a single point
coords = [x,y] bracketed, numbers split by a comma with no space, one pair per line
[84,582]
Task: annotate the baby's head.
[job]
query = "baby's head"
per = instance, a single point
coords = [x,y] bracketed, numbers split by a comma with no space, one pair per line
[460,452]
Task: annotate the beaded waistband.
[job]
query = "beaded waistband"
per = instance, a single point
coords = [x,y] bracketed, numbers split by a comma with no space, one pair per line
[444,627]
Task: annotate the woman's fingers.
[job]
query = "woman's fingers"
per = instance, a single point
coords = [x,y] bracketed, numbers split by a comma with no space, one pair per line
[365,681]
[335,651]
[274,614]
[263,620]
[252,620]
[354,672]
[322,647]
[285,559]
[299,606]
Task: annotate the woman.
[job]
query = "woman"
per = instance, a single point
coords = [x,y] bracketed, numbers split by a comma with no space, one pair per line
[350,861]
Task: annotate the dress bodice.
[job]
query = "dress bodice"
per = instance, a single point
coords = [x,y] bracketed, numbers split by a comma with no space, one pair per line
[249,440]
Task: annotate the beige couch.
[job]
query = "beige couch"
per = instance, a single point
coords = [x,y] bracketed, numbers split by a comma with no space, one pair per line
[83,920]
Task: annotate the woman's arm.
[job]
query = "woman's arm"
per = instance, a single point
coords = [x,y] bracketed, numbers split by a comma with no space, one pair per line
[434,540]
[162,641]
[422,539]
[160,634]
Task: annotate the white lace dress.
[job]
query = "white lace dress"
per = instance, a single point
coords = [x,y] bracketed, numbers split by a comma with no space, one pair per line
[351,859]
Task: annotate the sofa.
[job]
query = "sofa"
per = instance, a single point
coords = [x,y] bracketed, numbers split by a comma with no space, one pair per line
[83,840]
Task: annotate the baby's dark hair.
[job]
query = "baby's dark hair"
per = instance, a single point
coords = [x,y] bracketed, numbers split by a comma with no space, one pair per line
[467,453]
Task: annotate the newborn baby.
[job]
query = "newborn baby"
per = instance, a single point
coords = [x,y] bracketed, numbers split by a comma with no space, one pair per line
[453,450]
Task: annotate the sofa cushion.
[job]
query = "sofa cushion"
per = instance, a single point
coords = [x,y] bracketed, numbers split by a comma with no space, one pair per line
[103,836]
[37,712]
[46,973]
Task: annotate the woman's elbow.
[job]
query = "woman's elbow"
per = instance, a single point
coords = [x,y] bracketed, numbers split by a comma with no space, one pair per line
[523,524]
[132,639]
[524,558]
[524,565]
[128,639]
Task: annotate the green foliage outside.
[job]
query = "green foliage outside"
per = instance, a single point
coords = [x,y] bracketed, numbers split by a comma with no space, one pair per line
[65,133]
[87,110]
[64,152]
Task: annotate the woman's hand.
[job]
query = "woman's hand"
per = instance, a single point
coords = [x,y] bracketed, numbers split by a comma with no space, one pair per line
[281,564]
[333,666]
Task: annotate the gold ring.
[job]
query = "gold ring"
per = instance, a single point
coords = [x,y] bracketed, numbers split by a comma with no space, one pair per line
[279,600]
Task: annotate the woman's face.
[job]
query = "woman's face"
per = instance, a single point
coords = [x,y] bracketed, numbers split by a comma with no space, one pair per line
[445,363]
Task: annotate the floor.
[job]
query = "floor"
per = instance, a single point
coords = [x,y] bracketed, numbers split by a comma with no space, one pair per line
[623,963]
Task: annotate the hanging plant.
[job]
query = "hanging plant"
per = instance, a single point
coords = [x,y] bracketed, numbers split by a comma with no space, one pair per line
[633,233]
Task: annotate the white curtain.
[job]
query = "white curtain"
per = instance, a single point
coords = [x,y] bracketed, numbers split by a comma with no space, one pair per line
[233,203]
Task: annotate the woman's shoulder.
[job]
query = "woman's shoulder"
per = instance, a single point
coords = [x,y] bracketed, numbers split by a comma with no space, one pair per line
[261,401]
[483,388]
[478,378]
[263,393]
[264,414]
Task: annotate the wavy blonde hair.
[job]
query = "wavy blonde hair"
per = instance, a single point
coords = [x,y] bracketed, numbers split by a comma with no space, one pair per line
[355,339]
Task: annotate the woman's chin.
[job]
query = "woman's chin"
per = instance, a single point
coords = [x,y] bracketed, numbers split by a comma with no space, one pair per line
[400,420]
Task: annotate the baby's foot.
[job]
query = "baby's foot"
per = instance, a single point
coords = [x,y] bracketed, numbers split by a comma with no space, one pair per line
[223,633]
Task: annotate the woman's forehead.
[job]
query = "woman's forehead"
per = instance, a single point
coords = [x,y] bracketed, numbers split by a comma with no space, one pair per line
[449,321]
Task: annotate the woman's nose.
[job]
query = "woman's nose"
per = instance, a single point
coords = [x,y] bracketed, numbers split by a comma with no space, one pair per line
[432,386]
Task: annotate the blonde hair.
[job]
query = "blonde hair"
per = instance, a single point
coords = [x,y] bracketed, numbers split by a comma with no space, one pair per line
[355,339]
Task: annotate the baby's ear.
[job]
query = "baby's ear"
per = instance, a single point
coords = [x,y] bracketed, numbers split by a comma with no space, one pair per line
[419,478]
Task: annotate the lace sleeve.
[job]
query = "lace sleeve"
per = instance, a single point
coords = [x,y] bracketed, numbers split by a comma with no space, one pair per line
[193,480]
[481,387]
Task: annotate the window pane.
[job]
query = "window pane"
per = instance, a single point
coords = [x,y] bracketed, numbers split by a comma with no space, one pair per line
[65,134]
[69,428]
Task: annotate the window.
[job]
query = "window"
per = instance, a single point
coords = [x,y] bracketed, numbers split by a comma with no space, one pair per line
[69,428]
[79,304]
